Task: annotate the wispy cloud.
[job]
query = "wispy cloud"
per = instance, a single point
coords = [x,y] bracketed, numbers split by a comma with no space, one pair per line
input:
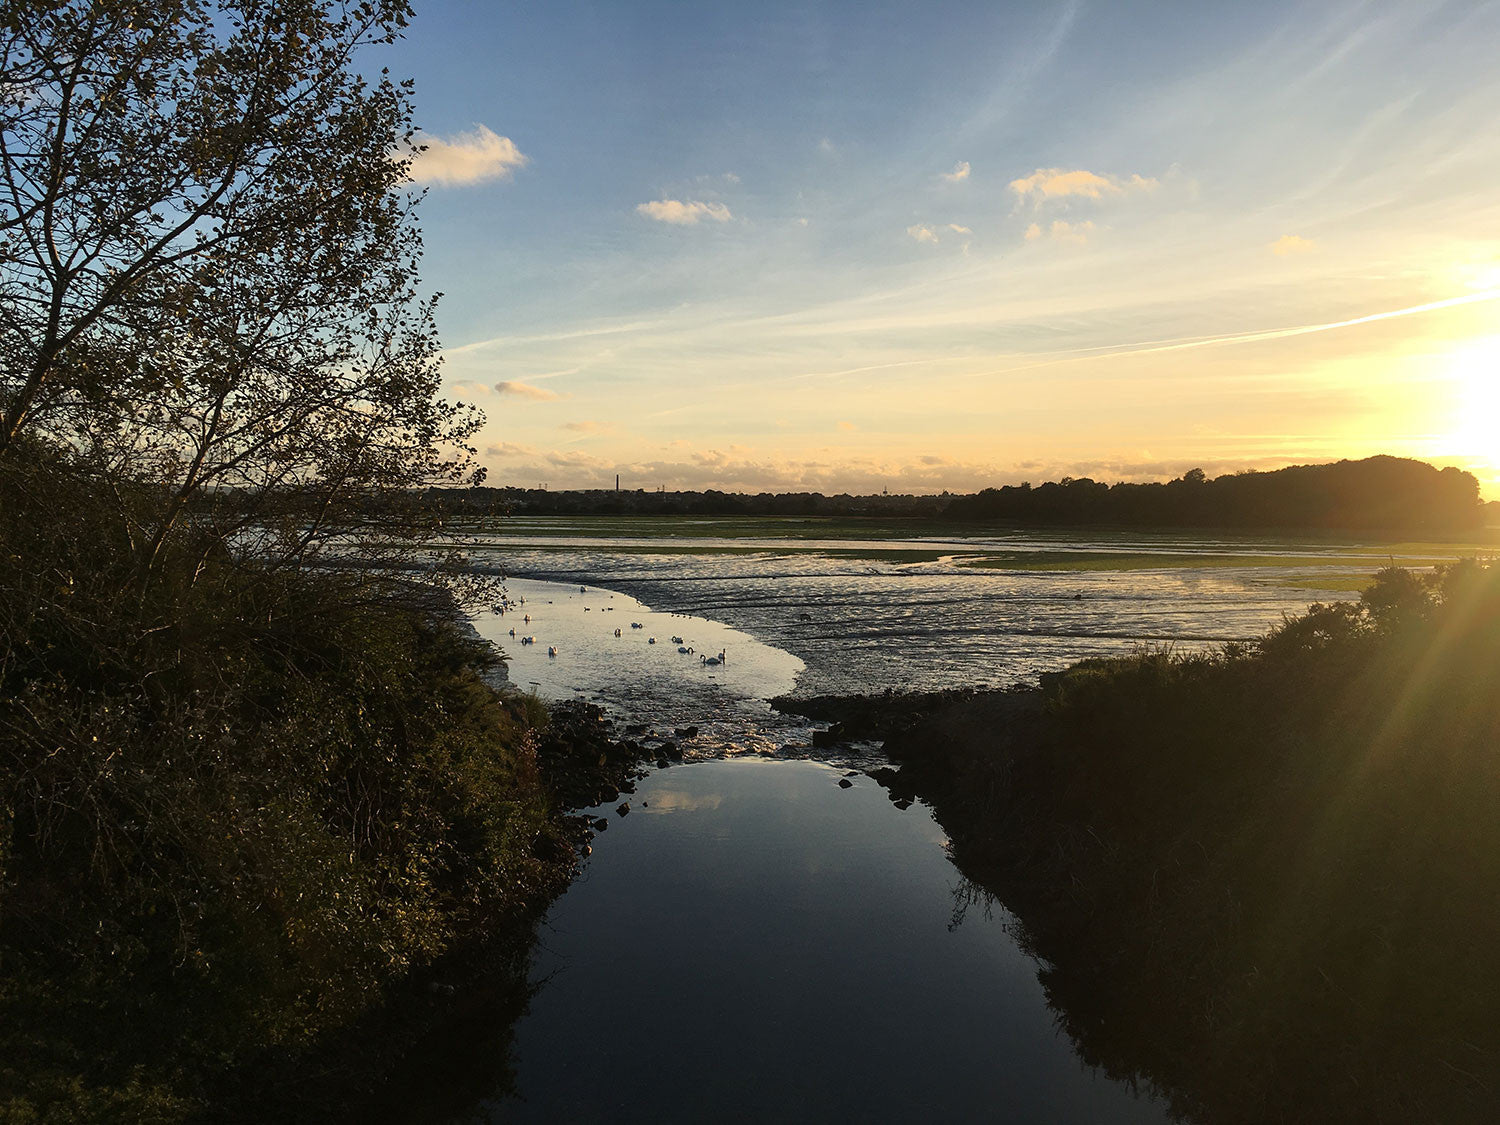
[1149,347]
[509,449]
[738,468]
[1291,244]
[589,427]
[469,388]
[926,232]
[1060,183]
[526,390]
[466,158]
[684,213]
[960,172]
[1076,233]
[848,427]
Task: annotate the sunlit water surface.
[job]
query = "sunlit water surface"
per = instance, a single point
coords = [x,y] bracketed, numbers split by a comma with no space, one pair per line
[846,624]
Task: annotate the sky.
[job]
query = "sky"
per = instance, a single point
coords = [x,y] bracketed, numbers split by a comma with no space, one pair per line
[916,247]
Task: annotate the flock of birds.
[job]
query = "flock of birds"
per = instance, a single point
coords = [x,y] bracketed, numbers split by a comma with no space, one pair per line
[506,605]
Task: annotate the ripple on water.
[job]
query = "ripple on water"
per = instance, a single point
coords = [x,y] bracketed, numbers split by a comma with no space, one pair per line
[868,625]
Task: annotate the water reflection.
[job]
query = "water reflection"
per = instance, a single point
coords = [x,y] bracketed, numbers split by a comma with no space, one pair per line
[779,948]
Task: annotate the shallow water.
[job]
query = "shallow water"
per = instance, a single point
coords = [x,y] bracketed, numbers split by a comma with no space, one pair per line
[752,942]
[641,676]
[863,624]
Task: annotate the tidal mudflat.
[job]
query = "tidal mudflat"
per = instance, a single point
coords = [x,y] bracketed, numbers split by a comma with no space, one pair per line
[872,606]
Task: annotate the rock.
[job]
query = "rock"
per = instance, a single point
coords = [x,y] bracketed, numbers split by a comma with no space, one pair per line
[669,749]
[686,732]
[601,824]
[845,783]
[623,808]
[830,737]
[852,773]
[661,763]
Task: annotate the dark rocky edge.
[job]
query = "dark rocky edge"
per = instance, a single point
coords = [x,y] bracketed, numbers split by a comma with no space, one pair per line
[892,716]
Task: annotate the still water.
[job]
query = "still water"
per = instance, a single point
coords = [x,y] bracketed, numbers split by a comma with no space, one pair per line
[751,942]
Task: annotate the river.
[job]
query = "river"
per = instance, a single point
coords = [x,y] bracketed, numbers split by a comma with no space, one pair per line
[752,942]
[763,937]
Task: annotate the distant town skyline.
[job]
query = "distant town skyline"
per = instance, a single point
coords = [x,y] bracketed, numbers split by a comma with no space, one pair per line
[845,247]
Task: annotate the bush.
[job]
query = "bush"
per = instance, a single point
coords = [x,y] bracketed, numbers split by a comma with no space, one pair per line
[232,814]
[1299,842]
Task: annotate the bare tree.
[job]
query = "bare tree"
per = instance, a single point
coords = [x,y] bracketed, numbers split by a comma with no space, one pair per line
[208,289]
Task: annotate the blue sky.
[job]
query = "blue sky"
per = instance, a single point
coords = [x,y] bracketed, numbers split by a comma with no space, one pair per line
[855,246]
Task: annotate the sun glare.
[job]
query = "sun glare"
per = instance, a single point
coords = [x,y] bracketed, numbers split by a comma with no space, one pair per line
[1475,374]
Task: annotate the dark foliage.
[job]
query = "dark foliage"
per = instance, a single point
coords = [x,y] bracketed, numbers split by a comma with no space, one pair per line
[1265,879]
[231,813]
[639,502]
[1376,494]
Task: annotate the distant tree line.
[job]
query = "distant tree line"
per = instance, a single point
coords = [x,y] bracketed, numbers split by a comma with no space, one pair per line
[1377,493]
[609,502]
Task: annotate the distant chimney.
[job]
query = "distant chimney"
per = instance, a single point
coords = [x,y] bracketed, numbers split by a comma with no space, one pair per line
[617,482]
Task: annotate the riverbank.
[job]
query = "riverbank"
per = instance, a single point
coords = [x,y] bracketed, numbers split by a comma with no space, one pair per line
[1262,880]
[311,852]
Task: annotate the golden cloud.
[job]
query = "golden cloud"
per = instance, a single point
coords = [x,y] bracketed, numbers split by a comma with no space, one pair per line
[526,390]
[1291,244]
[1060,183]
[683,213]
[466,158]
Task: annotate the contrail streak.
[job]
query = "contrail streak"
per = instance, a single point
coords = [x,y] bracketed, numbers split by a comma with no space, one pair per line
[1110,351]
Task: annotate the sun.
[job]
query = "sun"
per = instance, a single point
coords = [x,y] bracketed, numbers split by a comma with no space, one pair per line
[1475,377]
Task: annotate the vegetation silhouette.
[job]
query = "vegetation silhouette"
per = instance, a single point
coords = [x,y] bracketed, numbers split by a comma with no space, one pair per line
[253,790]
[1261,879]
[1381,494]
